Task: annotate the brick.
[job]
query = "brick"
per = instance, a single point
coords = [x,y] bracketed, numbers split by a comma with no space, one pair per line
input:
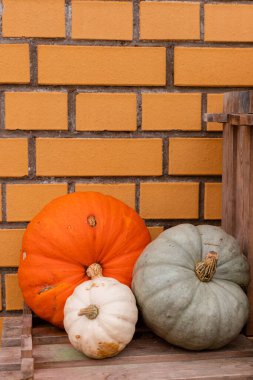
[214,105]
[36,110]
[169,20]
[14,63]
[0,203]
[106,112]
[14,299]
[10,243]
[213,66]
[229,22]
[102,65]
[24,201]
[1,307]
[155,232]
[99,157]
[195,156]
[13,157]
[169,200]
[102,20]
[33,18]
[168,111]
[125,192]
[212,202]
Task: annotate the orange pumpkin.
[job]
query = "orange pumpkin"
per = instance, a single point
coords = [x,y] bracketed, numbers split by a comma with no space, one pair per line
[68,235]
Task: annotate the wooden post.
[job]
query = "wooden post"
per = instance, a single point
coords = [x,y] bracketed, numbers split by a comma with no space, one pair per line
[237,175]
[27,361]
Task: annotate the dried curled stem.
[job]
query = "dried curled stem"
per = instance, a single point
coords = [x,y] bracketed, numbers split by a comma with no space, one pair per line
[90,312]
[94,271]
[206,269]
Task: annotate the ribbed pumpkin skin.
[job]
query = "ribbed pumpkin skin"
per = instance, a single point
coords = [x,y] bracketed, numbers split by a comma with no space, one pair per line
[113,328]
[179,307]
[59,244]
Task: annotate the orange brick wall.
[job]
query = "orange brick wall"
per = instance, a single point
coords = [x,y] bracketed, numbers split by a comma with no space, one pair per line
[110,96]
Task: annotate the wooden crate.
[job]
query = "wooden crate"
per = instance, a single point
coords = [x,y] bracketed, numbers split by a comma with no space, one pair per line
[237,175]
[32,350]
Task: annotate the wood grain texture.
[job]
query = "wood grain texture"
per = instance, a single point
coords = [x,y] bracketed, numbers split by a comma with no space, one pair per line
[232,119]
[11,331]
[249,329]
[241,227]
[10,358]
[229,368]
[147,356]
[27,361]
[216,117]
[237,178]
[146,349]
[228,179]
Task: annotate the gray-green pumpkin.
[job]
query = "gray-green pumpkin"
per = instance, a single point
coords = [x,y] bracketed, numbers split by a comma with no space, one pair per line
[188,286]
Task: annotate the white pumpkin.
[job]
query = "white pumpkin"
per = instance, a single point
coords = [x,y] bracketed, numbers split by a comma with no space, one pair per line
[100,315]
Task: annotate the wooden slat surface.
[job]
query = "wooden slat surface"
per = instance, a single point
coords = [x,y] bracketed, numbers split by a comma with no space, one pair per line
[11,331]
[10,350]
[216,117]
[242,197]
[146,357]
[228,368]
[231,118]
[228,179]
[10,375]
[49,334]
[237,178]
[27,360]
[10,358]
[249,329]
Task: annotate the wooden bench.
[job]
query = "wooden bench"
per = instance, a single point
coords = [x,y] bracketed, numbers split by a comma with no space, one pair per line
[33,349]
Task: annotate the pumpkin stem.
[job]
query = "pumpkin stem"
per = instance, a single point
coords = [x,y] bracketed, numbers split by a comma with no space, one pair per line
[94,271]
[90,312]
[206,269]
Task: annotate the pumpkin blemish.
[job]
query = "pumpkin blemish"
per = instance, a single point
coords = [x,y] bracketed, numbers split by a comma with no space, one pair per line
[106,350]
[24,255]
[92,221]
[78,336]
[46,288]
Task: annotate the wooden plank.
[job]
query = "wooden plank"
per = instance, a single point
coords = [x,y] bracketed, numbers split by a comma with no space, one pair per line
[230,368]
[237,102]
[27,368]
[1,330]
[49,334]
[240,119]
[143,350]
[249,327]
[242,196]
[228,178]
[232,119]
[27,361]
[10,358]
[237,178]
[216,117]
[10,375]
[27,321]
[11,331]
